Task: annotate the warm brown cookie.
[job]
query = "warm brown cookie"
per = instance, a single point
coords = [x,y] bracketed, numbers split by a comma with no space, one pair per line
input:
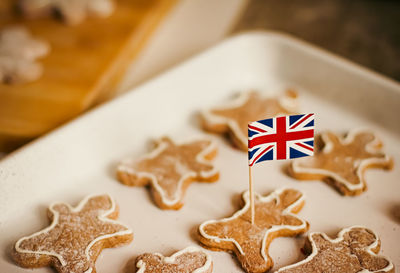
[342,161]
[170,168]
[355,250]
[18,54]
[75,237]
[232,118]
[188,260]
[274,217]
[71,11]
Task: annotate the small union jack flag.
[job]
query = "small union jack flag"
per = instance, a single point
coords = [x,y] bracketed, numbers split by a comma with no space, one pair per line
[281,138]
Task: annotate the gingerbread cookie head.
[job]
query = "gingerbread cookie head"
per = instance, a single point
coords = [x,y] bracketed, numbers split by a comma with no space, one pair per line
[18,54]
[355,250]
[232,118]
[170,168]
[70,11]
[188,260]
[75,237]
[274,217]
[342,161]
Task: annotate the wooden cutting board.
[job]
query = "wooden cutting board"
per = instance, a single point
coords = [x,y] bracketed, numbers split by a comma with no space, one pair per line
[84,66]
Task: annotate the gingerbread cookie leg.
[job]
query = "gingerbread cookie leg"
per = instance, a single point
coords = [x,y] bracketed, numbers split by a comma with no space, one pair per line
[188,260]
[354,250]
[170,168]
[341,162]
[75,237]
[274,217]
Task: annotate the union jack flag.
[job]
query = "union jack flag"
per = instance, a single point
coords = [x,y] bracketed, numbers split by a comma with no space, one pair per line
[281,138]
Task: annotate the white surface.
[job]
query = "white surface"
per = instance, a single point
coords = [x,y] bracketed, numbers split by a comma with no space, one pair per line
[80,158]
[190,27]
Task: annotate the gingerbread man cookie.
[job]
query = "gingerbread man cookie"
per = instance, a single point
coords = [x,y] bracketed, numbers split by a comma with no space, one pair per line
[170,168]
[274,217]
[75,237]
[188,260]
[355,250]
[71,11]
[18,53]
[342,162]
[233,117]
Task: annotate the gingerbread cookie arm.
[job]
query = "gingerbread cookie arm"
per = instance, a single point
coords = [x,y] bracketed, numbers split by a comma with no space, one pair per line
[206,150]
[128,175]
[353,183]
[291,200]
[302,266]
[188,260]
[39,249]
[99,202]
[219,124]
[373,147]
[303,168]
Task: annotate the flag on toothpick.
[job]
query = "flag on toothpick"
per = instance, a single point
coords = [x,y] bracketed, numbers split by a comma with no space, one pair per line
[282,137]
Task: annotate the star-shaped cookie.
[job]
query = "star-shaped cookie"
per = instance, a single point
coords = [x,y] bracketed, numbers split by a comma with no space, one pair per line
[233,117]
[355,250]
[188,260]
[71,11]
[274,217]
[342,161]
[75,237]
[18,54]
[170,168]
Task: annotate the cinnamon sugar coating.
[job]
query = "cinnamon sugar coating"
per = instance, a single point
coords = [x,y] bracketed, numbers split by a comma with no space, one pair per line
[188,260]
[75,237]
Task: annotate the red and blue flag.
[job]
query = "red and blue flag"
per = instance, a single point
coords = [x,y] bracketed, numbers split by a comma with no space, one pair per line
[283,137]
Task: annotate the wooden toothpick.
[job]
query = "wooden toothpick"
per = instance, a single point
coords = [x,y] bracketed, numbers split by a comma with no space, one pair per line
[251,196]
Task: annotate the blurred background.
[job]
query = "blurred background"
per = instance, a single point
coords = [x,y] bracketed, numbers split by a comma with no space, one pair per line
[100,58]
[364,31]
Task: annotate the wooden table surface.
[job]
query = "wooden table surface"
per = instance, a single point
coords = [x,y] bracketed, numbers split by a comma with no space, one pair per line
[364,31]
[84,66]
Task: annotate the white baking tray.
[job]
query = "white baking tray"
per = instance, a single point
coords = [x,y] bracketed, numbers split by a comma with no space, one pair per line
[80,158]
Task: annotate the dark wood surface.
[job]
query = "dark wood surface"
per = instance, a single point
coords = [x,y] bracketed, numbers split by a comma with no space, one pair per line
[364,31]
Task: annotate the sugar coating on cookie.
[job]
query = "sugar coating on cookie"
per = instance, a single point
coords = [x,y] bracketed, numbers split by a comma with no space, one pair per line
[342,161]
[188,260]
[274,217]
[71,11]
[19,51]
[354,250]
[75,237]
[170,168]
[233,117]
